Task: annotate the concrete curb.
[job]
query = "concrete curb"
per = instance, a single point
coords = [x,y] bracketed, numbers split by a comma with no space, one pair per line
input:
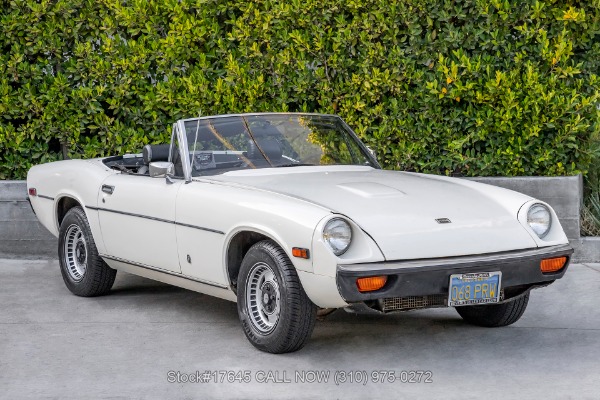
[22,236]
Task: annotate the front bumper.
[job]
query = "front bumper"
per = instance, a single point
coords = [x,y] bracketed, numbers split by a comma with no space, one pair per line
[432,276]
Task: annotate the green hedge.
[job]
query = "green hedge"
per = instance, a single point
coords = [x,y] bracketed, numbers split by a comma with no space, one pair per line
[481,87]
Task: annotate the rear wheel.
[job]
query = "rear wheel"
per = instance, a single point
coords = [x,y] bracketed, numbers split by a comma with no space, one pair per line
[84,272]
[495,315]
[276,314]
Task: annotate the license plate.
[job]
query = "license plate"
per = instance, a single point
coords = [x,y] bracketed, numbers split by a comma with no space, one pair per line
[476,288]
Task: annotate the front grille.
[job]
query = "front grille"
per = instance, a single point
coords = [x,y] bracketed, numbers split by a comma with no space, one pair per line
[417,302]
[413,302]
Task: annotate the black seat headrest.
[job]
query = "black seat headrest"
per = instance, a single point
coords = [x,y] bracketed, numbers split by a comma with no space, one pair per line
[156,152]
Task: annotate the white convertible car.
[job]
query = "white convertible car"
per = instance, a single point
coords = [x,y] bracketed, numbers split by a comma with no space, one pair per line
[288,213]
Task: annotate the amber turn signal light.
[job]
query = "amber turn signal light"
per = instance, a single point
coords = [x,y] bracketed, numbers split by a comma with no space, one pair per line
[552,264]
[300,253]
[371,283]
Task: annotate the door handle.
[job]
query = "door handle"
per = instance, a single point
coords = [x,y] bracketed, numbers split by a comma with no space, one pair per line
[108,189]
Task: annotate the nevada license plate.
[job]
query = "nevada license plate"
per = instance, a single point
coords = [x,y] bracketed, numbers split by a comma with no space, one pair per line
[476,288]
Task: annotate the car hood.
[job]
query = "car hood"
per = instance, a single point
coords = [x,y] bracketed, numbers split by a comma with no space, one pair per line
[399,210]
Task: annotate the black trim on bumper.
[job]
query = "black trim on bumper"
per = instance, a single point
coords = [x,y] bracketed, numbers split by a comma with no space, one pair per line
[432,276]
[30,205]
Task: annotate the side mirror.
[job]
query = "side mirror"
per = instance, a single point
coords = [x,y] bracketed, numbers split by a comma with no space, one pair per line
[161,169]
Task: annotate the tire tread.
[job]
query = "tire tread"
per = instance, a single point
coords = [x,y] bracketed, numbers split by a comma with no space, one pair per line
[99,277]
[302,316]
[495,315]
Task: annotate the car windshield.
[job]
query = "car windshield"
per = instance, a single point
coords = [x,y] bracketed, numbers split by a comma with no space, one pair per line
[222,144]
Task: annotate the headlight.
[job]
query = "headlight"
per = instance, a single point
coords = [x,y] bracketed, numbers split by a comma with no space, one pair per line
[539,219]
[338,235]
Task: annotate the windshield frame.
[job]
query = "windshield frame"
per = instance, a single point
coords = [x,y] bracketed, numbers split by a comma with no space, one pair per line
[183,142]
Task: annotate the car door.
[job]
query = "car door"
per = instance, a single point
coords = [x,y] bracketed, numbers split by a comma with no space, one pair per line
[200,236]
[137,219]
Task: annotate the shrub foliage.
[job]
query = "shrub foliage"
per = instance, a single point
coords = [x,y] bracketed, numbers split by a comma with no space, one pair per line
[473,87]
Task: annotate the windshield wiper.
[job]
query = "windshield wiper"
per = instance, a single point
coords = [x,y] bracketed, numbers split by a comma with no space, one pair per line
[294,165]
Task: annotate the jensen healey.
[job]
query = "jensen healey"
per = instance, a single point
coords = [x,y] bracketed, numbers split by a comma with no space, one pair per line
[289,213]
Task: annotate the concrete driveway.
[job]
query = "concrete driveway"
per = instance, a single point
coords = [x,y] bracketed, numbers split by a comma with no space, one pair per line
[131,343]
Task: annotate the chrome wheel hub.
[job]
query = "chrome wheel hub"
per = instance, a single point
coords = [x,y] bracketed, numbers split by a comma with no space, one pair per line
[263,298]
[75,254]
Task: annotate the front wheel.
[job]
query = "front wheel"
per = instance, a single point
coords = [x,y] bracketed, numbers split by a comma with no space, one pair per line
[85,273]
[495,315]
[276,314]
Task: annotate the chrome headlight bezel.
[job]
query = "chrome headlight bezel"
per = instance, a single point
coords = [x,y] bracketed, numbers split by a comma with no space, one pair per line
[337,233]
[538,223]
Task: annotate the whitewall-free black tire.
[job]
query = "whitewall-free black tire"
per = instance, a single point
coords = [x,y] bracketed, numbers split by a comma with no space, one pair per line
[84,272]
[495,315]
[276,314]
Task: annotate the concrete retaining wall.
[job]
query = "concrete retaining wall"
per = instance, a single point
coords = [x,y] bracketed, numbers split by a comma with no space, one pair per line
[587,249]
[20,232]
[21,235]
[564,194]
